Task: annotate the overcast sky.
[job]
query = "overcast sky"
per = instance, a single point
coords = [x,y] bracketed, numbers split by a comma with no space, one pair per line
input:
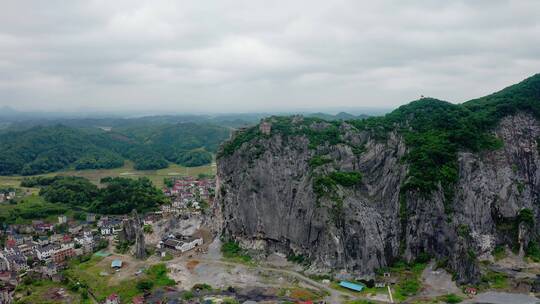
[240,56]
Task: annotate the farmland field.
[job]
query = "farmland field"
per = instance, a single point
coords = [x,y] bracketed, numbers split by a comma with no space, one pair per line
[156,176]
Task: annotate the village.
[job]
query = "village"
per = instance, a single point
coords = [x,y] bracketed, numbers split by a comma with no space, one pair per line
[174,234]
[42,249]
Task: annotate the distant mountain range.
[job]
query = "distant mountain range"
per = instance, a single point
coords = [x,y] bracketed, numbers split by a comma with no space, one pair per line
[11,119]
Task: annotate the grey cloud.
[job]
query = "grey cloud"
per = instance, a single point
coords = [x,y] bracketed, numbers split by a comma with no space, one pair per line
[260,55]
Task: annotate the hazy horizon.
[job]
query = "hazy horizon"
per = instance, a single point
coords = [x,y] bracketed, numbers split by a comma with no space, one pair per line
[88,113]
[253,56]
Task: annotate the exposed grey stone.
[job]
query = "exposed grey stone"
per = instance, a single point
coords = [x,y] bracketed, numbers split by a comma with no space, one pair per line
[265,200]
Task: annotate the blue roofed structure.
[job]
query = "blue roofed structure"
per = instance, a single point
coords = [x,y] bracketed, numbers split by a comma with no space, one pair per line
[351,286]
[116,264]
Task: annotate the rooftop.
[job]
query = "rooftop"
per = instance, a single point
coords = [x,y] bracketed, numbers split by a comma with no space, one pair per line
[351,286]
[116,264]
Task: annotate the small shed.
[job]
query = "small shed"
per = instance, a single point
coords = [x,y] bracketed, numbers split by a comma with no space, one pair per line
[117,264]
[351,286]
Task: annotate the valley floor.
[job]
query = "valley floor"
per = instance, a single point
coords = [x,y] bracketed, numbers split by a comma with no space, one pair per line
[156,176]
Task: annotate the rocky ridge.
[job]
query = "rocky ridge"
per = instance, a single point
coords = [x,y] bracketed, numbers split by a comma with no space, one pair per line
[268,199]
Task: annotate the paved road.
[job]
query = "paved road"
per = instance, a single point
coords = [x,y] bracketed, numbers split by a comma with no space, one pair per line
[492,297]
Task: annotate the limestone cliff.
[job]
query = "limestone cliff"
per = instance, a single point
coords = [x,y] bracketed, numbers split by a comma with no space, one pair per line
[132,231]
[269,198]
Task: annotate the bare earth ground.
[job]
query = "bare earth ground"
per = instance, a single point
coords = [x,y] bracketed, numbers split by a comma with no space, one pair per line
[130,266]
[438,282]
[210,268]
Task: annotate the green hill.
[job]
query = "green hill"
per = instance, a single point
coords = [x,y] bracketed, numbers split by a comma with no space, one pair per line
[43,149]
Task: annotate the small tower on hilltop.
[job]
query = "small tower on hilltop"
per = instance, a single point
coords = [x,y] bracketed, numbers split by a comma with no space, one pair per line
[265,127]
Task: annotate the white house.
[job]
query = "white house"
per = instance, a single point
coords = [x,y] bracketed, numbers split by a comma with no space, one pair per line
[166,208]
[86,241]
[4,264]
[45,253]
[62,219]
[183,244]
[106,230]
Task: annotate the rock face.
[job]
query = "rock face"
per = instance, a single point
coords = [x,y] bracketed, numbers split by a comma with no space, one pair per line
[132,232]
[266,201]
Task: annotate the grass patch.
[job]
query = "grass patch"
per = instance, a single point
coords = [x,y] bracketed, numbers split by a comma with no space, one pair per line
[408,277]
[88,272]
[450,298]
[167,257]
[158,274]
[232,250]
[499,253]
[495,280]
[42,291]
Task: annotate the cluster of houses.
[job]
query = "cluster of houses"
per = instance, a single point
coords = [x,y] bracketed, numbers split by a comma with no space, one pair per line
[189,192]
[42,249]
[109,225]
[7,195]
[115,299]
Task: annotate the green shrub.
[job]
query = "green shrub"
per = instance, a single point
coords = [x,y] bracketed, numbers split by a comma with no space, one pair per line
[323,185]
[317,161]
[201,287]
[408,287]
[230,301]
[158,274]
[464,231]
[423,257]
[533,251]
[188,295]
[298,259]
[499,252]
[233,250]
[148,229]
[526,216]
[495,280]
[346,179]
[451,299]
[145,285]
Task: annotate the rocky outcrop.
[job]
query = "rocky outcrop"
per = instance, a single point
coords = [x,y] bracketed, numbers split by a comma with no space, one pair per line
[132,232]
[266,200]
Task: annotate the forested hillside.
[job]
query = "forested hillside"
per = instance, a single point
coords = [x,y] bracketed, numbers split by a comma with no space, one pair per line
[42,149]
